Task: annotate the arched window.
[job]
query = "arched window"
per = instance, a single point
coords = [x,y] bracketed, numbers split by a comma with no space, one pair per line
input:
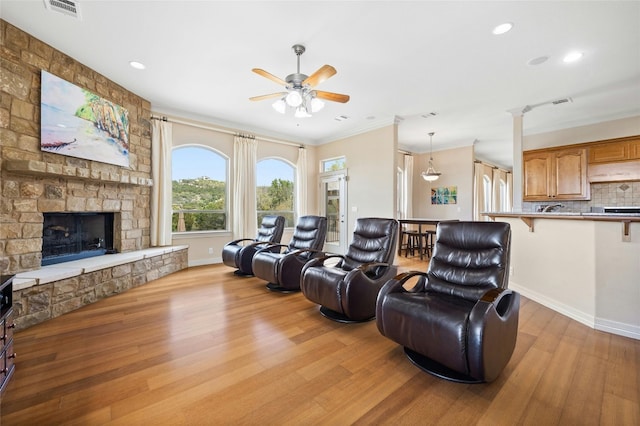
[275,189]
[199,189]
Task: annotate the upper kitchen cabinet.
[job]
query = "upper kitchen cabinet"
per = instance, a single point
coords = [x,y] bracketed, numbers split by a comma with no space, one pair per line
[615,160]
[555,174]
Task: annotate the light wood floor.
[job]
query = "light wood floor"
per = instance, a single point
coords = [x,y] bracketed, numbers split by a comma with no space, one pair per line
[202,346]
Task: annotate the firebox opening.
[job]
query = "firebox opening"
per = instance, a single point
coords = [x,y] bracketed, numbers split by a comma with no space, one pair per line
[73,236]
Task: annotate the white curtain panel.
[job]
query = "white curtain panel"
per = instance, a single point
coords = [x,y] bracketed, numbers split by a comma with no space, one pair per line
[478,191]
[509,191]
[301,182]
[244,186]
[496,199]
[161,144]
[407,187]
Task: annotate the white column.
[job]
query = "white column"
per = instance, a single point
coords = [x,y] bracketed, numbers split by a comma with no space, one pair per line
[518,116]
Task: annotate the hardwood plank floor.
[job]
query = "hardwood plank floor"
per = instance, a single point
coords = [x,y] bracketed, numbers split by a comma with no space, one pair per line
[203,346]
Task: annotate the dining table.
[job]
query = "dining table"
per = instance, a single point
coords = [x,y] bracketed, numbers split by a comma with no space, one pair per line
[420,221]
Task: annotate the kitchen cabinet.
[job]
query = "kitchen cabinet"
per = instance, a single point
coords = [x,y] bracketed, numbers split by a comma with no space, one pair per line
[615,150]
[615,160]
[555,174]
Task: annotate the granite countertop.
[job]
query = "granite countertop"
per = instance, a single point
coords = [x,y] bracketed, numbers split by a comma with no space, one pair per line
[567,215]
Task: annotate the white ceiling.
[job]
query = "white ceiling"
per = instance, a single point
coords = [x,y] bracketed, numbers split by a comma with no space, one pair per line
[394,58]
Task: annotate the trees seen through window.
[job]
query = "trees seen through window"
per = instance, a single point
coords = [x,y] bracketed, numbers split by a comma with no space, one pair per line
[275,190]
[199,190]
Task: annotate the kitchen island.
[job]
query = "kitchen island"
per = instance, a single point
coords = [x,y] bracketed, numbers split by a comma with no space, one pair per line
[583,265]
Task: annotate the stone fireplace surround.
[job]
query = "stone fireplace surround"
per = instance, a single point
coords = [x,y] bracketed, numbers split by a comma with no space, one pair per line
[34,182]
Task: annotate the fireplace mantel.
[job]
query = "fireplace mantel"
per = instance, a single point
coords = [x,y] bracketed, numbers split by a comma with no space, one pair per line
[43,169]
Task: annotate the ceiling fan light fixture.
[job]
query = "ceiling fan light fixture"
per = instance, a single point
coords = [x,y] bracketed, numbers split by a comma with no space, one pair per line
[316,105]
[301,112]
[280,106]
[294,99]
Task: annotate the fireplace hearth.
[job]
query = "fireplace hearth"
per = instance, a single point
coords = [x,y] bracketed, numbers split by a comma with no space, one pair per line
[73,236]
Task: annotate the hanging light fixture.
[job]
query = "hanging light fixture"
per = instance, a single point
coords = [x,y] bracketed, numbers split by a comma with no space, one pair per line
[430,175]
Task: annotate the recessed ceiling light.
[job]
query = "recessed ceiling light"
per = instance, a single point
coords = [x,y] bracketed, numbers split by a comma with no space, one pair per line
[537,61]
[137,65]
[572,57]
[502,28]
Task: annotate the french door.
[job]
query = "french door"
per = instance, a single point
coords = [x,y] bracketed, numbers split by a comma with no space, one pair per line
[334,207]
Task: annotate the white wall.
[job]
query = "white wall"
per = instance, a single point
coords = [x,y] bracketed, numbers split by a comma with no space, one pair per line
[371,164]
[591,133]
[456,166]
[580,268]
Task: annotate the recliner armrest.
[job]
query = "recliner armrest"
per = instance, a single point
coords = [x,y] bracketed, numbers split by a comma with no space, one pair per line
[319,261]
[367,268]
[270,247]
[492,331]
[301,251]
[239,240]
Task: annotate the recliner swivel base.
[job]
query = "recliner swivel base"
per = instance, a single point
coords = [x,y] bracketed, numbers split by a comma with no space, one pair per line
[338,317]
[436,369]
[280,289]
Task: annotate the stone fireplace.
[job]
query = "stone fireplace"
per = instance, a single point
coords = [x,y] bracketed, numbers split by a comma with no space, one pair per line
[36,186]
[73,236]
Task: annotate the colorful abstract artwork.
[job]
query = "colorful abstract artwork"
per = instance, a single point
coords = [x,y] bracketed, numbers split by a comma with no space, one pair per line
[78,123]
[444,195]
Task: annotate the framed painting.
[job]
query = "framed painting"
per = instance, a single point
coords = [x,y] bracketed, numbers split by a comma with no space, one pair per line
[78,123]
[444,195]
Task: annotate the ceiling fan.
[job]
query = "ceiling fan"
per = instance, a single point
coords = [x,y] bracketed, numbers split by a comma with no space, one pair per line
[300,89]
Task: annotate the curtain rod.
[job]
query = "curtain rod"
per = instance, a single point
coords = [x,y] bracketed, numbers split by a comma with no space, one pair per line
[492,166]
[217,129]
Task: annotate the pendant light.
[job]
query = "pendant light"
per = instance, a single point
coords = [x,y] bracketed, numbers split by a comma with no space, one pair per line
[430,175]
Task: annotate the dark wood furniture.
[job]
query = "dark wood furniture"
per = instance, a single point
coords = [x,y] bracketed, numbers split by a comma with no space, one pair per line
[7,356]
[422,247]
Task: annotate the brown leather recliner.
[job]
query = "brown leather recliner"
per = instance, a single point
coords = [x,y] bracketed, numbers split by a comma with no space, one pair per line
[347,292]
[239,253]
[459,321]
[281,265]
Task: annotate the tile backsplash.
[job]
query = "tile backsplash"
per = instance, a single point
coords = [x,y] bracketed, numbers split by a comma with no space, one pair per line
[602,195]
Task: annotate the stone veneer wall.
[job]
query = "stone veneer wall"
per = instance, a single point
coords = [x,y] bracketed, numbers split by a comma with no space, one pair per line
[34,182]
[39,303]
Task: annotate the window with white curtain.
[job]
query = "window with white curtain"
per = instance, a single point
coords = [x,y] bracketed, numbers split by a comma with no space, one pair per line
[486,189]
[504,196]
[199,189]
[275,190]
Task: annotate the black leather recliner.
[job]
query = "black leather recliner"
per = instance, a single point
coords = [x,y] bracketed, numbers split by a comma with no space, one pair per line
[459,321]
[347,291]
[281,264]
[239,253]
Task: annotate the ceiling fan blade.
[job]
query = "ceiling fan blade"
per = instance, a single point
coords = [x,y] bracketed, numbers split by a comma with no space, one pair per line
[269,76]
[269,96]
[319,76]
[333,97]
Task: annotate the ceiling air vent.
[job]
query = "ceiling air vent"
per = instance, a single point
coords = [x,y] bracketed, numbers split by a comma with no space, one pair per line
[67,7]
